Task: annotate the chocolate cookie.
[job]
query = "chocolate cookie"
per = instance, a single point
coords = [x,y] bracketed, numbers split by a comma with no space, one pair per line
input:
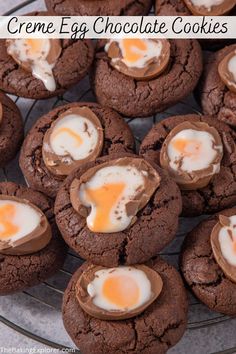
[152,226]
[212,92]
[117,137]
[201,270]
[155,330]
[137,98]
[171,8]
[220,192]
[21,268]
[99,7]
[11,125]
[43,68]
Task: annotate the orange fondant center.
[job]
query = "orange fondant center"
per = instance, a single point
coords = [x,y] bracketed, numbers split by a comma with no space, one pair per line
[234,246]
[104,198]
[234,243]
[70,132]
[121,290]
[35,45]
[7,228]
[133,49]
[188,147]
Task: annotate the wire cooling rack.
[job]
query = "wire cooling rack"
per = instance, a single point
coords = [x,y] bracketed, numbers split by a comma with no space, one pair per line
[29,312]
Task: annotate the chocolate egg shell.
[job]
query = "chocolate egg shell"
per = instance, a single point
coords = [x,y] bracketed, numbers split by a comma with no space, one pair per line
[225,75]
[228,269]
[195,179]
[217,10]
[86,302]
[57,164]
[153,68]
[32,242]
[152,181]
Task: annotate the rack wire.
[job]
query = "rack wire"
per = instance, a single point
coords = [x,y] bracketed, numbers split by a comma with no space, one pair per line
[49,293]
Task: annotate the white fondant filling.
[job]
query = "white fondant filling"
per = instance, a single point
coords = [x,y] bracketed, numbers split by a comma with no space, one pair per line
[133,180]
[23,216]
[208,4]
[198,153]
[41,69]
[153,50]
[63,143]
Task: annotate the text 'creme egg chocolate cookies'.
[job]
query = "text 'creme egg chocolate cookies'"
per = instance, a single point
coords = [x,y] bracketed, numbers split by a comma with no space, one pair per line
[223,241]
[210,7]
[74,138]
[111,194]
[131,305]
[66,138]
[141,59]
[117,204]
[117,293]
[24,229]
[192,154]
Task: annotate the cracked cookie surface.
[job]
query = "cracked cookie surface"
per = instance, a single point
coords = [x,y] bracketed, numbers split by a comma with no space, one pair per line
[11,126]
[99,7]
[214,97]
[171,8]
[220,193]
[73,64]
[20,272]
[155,330]
[201,271]
[135,98]
[117,138]
[155,227]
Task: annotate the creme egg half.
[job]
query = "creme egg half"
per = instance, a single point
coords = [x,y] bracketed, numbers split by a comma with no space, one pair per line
[23,227]
[139,58]
[116,293]
[227,240]
[208,4]
[74,138]
[137,52]
[192,153]
[112,193]
[210,7]
[38,56]
[223,242]
[107,193]
[191,150]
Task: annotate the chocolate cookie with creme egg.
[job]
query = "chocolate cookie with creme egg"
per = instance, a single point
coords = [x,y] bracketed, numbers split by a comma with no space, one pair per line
[135,76]
[199,154]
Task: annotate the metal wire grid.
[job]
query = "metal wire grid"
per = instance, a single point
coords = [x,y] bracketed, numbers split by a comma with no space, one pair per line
[50,292]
